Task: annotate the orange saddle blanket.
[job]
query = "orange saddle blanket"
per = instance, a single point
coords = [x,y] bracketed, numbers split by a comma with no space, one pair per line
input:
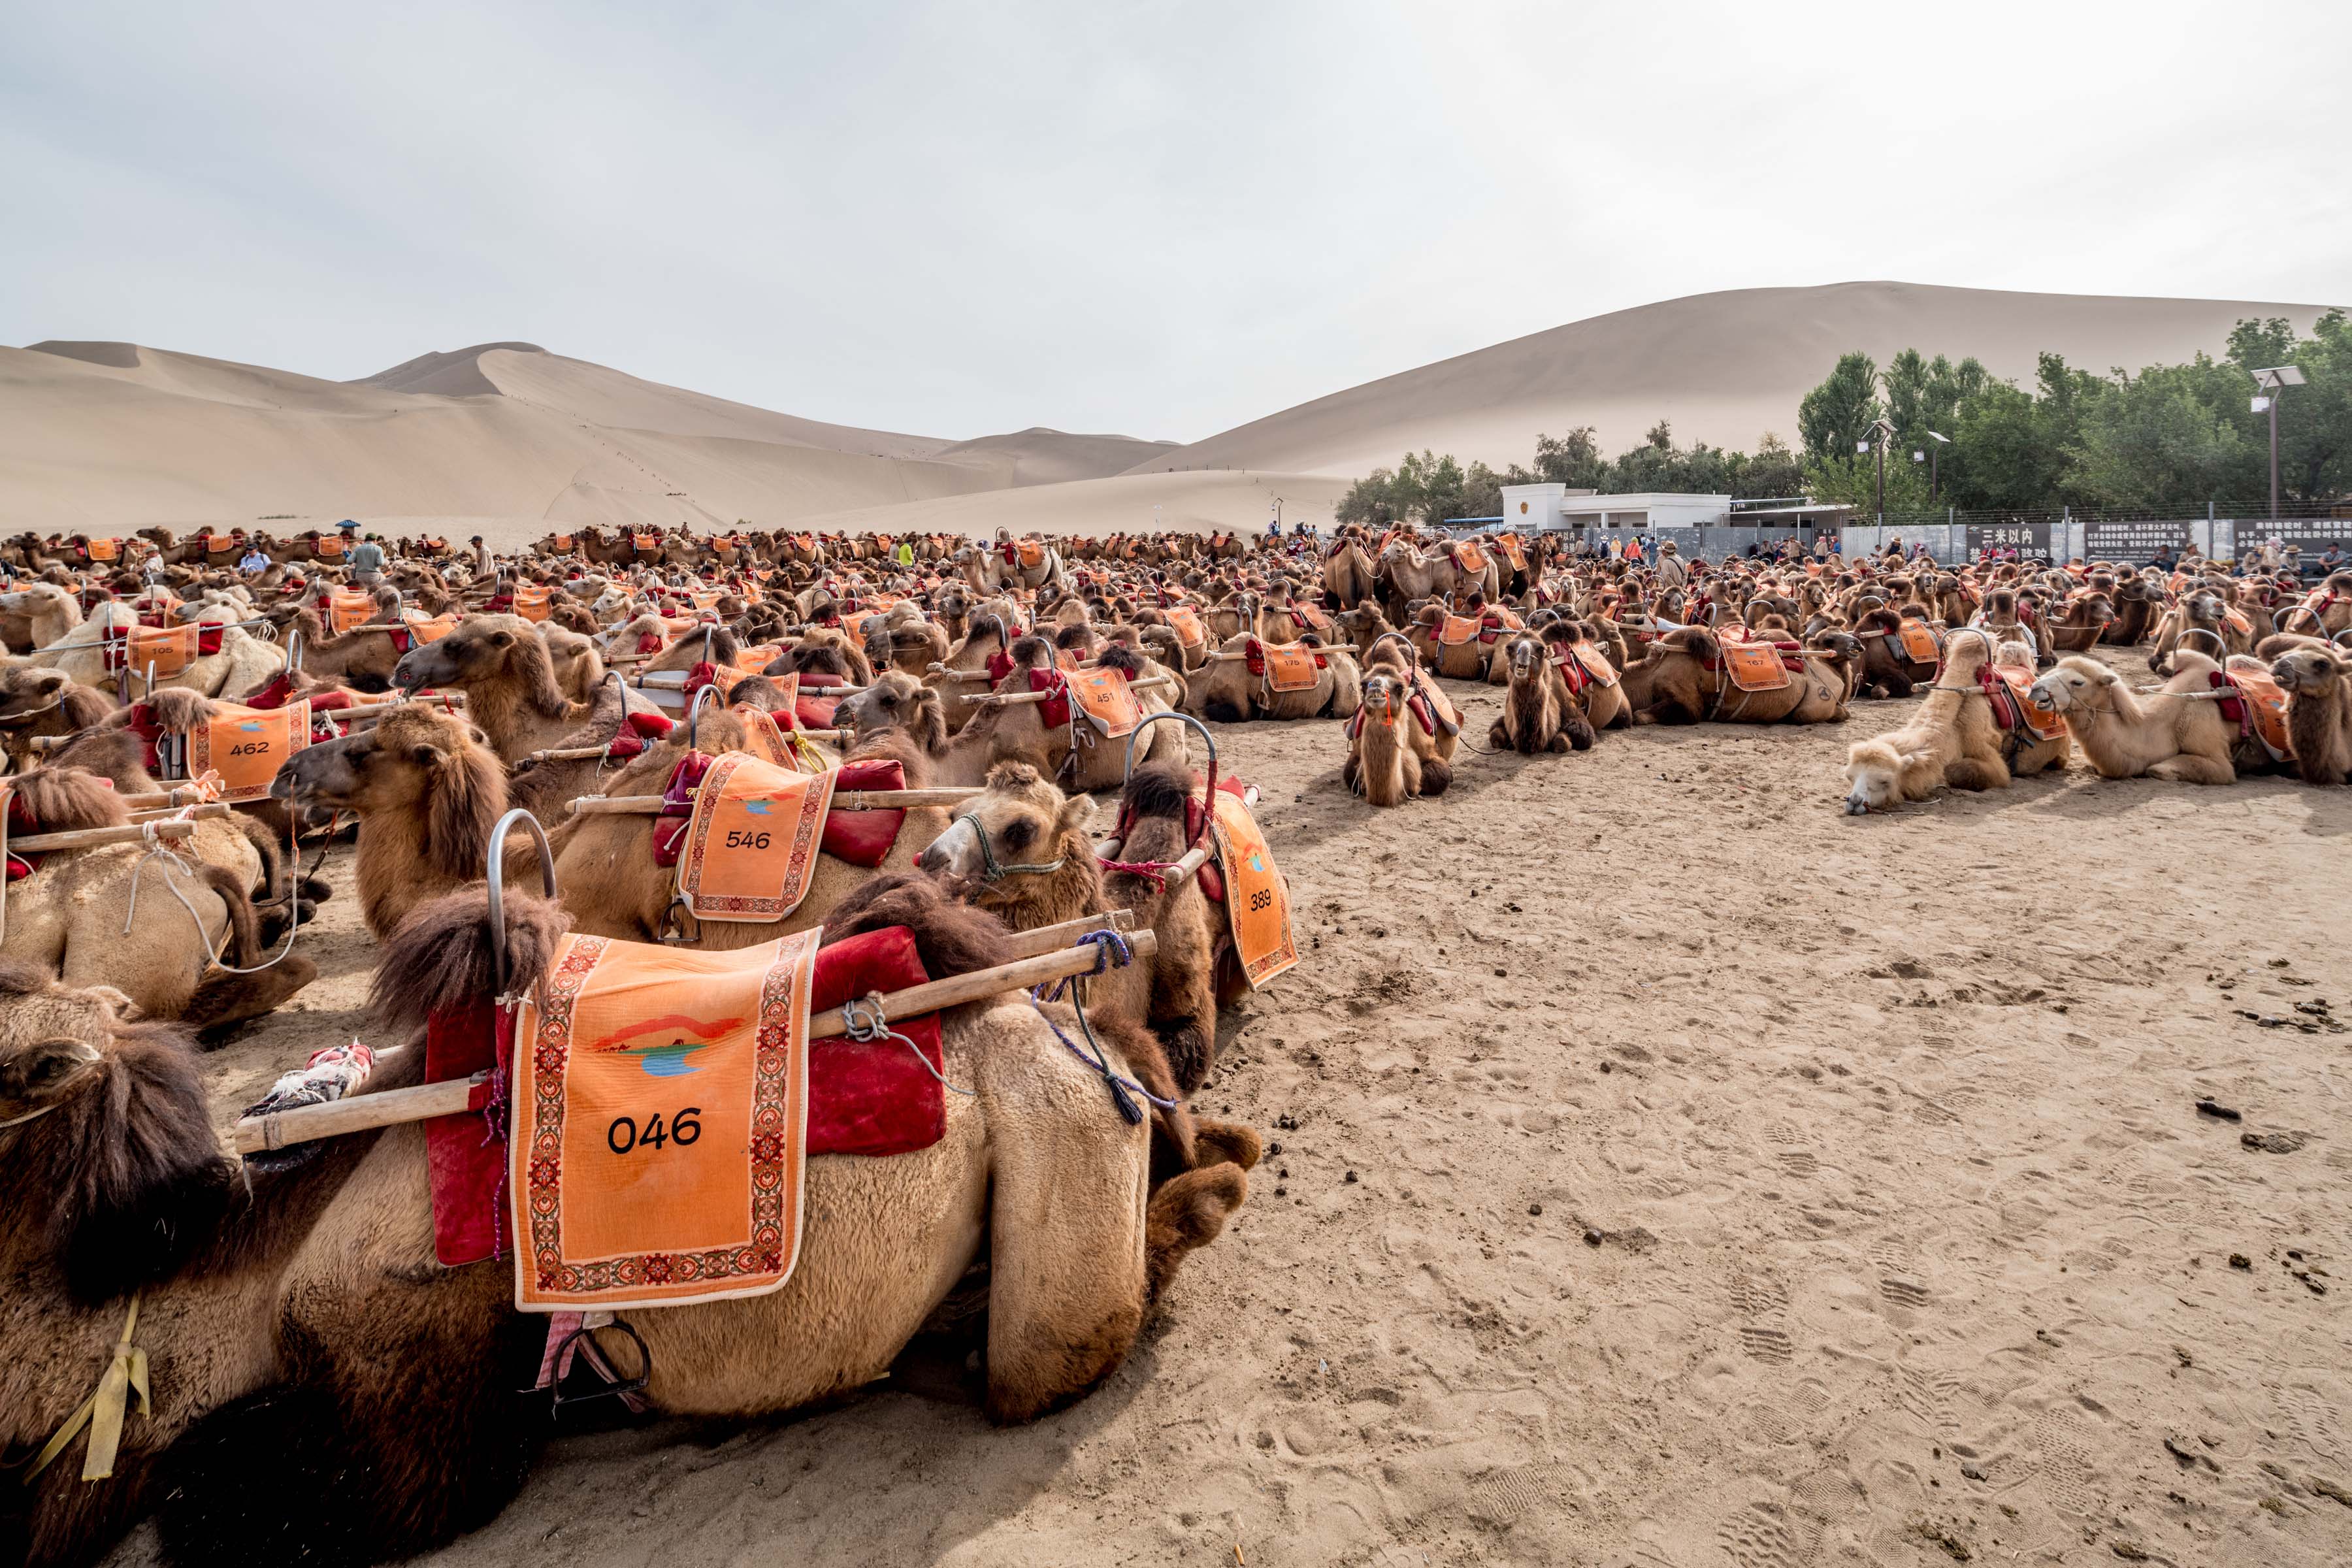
[1920,643]
[429,628]
[1754,667]
[660,1124]
[2265,705]
[2040,718]
[105,549]
[1106,699]
[530,601]
[1512,551]
[247,746]
[1595,663]
[1257,898]
[348,607]
[1468,557]
[1289,667]
[752,843]
[1187,622]
[1455,630]
[1033,554]
[645,542]
[151,649]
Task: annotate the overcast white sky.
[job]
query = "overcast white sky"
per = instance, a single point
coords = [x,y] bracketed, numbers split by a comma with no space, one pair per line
[1160,219]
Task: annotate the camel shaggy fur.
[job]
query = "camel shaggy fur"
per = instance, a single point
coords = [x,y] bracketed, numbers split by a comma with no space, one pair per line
[2170,734]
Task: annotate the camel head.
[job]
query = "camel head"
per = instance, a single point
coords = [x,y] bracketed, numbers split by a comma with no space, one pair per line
[415,760]
[2310,672]
[1019,829]
[29,691]
[2075,683]
[1525,659]
[895,701]
[483,650]
[1873,771]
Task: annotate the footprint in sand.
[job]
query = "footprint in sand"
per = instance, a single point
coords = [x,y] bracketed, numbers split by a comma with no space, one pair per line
[1506,1497]
[2311,1419]
[1763,1304]
[2062,1459]
[1926,1396]
[1760,1536]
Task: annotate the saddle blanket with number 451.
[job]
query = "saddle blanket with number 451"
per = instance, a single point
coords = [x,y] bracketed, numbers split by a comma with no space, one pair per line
[660,1127]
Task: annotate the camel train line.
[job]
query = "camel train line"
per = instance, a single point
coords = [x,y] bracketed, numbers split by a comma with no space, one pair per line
[775,846]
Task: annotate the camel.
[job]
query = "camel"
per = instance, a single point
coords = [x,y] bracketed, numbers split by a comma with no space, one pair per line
[242,662]
[1383,765]
[985,568]
[36,615]
[1348,572]
[1681,678]
[2082,624]
[1022,850]
[1888,667]
[46,703]
[2202,623]
[1228,690]
[1600,697]
[1538,714]
[2318,680]
[2139,602]
[1951,739]
[2174,733]
[501,664]
[1410,575]
[613,885]
[152,925]
[426,789]
[256,1288]
[2324,612]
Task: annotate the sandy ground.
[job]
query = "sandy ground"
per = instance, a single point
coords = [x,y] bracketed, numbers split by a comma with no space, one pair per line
[1671,1171]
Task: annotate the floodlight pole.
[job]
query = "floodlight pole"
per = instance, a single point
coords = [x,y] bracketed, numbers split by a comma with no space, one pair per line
[2275,403]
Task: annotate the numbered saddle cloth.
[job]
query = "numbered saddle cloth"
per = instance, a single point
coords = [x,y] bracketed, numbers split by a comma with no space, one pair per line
[649,541]
[562,542]
[1512,551]
[530,601]
[2259,708]
[1106,699]
[422,628]
[105,549]
[348,607]
[328,547]
[1920,643]
[247,746]
[1455,630]
[1257,898]
[1033,554]
[1468,557]
[1290,666]
[753,842]
[660,1124]
[1754,667]
[219,543]
[162,652]
[1187,622]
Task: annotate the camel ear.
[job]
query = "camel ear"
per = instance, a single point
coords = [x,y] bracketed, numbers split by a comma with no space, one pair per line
[38,1071]
[424,755]
[49,682]
[1076,812]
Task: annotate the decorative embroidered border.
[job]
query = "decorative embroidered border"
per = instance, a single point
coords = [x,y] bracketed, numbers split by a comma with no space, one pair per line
[800,863]
[778,1134]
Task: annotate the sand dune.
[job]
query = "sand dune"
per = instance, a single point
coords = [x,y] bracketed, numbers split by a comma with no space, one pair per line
[1724,367]
[98,436]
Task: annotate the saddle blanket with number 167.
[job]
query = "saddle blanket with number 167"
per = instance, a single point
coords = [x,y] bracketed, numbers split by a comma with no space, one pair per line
[660,1127]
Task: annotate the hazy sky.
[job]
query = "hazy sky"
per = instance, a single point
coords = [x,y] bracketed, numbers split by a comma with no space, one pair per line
[1156,219]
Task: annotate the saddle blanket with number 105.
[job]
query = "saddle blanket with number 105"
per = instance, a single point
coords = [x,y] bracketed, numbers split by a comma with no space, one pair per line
[660,1124]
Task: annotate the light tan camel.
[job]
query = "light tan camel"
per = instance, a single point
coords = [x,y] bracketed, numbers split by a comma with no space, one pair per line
[2175,733]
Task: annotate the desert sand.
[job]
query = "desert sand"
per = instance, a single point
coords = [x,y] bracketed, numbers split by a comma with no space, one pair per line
[99,436]
[1671,1172]
[1725,368]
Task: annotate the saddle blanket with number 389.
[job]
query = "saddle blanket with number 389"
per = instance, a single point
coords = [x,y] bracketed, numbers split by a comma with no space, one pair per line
[660,1127]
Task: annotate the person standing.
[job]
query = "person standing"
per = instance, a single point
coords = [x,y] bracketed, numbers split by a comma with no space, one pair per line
[367,563]
[254,561]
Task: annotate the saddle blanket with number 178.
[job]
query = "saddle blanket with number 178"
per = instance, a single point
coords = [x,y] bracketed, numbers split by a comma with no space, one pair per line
[660,1124]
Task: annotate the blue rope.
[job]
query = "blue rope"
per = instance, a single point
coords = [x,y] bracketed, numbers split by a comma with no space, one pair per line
[1111,949]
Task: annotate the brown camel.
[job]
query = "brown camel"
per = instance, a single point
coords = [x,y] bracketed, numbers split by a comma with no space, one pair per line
[1383,765]
[2175,733]
[1022,850]
[426,789]
[307,1319]
[1682,680]
[361,659]
[502,666]
[1951,739]
[165,928]
[1537,715]
[2318,680]
[43,702]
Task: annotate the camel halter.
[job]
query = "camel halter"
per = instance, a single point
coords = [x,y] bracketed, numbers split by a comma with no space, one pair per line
[993,870]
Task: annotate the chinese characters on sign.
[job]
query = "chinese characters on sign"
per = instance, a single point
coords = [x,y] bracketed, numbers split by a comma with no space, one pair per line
[2135,543]
[2029,539]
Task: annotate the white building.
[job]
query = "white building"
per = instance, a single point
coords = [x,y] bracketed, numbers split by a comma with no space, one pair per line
[1538,506]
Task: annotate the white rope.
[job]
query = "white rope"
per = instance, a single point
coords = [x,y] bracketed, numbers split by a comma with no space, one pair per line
[157,847]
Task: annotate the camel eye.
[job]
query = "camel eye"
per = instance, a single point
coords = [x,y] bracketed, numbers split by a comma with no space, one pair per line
[1019,832]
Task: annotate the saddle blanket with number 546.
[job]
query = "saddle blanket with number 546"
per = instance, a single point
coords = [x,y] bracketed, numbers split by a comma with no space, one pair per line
[752,846]
[659,1138]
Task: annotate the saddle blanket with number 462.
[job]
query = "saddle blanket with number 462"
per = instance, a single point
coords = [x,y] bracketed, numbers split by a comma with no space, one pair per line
[660,1125]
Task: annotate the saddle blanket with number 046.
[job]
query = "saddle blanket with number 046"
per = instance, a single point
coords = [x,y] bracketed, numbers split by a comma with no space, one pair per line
[659,1138]
[753,844]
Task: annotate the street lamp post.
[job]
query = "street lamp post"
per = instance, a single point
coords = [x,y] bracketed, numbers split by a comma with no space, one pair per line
[1882,432]
[2273,382]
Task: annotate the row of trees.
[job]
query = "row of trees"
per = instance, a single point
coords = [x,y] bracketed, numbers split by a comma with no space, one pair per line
[2170,438]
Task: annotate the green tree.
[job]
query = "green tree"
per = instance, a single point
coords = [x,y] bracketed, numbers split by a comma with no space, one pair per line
[2160,443]
[1573,459]
[1838,412]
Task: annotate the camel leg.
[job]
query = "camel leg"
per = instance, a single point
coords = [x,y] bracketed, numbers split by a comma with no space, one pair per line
[223,998]
[1975,773]
[1185,1016]
[1498,734]
[1435,777]
[2188,768]
[1188,1212]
